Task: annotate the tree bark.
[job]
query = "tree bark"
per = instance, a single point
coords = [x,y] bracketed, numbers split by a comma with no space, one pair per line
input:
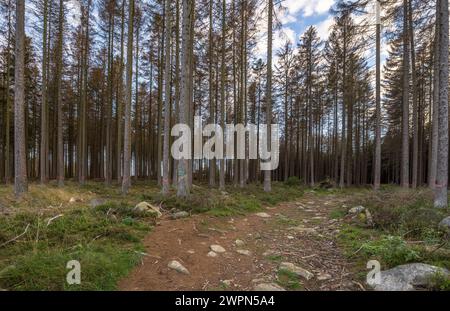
[20,167]
[441,196]
[126,182]
[267,173]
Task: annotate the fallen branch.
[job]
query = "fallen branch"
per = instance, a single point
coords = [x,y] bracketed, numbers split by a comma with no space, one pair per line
[17,237]
[53,218]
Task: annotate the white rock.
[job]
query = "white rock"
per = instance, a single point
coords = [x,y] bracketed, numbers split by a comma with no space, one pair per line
[217,249]
[72,200]
[244,252]
[296,270]
[269,287]
[407,277]
[175,265]
[239,243]
[179,215]
[357,210]
[145,207]
[212,254]
[324,277]
[263,215]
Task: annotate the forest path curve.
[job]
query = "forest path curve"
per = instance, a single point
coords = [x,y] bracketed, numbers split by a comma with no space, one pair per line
[299,232]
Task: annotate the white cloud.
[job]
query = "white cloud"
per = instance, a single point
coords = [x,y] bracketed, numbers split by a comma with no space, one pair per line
[323,28]
[308,7]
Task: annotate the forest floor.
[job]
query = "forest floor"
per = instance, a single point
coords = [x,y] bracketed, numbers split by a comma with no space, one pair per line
[120,248]
[299,232]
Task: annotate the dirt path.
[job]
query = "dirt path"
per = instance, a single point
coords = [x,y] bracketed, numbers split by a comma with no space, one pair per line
[299,232]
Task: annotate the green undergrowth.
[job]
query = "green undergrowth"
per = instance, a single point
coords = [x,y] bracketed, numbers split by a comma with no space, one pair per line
[405,231]
[50,226]
[42,232]
[232,201]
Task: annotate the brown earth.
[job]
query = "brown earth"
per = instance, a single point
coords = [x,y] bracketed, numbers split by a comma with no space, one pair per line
[298,232]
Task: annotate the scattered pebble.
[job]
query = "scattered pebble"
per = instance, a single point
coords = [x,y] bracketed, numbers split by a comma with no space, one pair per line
[175,265]
[217,249]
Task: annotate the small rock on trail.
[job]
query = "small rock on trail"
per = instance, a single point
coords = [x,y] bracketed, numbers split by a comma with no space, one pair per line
[243,252]
[217,249]
[263,215]
[239,243]
[175,265]
[180,215]
[296,270]
[212,254]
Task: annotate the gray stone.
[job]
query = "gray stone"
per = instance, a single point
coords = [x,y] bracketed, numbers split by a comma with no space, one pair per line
[212,254]
[145,207]
[444,225]
[407,277]
[239,243]
[296,270]
[217,249]
[369,218]
[356,210]
[180,215]
[243,252]
[175,265]
[263,215]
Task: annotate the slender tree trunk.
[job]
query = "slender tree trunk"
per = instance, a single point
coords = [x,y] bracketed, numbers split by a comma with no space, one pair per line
[183,187]
[415,156]
[405,118]
[126,182]
[119,98]
[60,157]
[167,70]
[44,110]
[441,191]
[435,110]
[377,169]
[222,93]
[20,167]
[267,173]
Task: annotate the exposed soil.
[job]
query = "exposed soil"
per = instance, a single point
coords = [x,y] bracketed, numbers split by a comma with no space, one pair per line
[271,241]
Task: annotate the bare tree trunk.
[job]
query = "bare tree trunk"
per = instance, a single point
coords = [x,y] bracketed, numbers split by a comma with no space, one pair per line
[377,170]
[20,167]
[267,173]
[441,197]
[119,99]
[212,162]
[415,157]
[435,119]
[60,157]
[405,118]
[222,93]
[44,110]
[167,70]
[126,182]
[183,187]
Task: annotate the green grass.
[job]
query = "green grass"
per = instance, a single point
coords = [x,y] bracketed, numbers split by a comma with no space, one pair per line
[406,228]
[288,280]
[233,201]
[106,240]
